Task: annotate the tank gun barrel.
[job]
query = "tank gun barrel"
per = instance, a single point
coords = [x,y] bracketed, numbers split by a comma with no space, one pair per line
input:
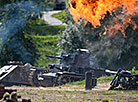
[53,56]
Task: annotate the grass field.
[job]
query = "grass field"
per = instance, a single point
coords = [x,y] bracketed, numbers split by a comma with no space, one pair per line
[76,93]
[46,40]
[46,30]
[46,45]
[43,95]
[61,15]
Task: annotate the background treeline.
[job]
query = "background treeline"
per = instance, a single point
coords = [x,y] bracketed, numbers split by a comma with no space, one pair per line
[36,38]
[112,52]
[24,36]
[16,43]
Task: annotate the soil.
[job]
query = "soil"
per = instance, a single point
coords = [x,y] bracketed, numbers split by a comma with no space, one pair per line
[76,93]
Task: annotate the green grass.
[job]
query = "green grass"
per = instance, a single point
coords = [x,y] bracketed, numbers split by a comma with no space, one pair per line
[45,37]
[134,101]
[36,21]
[61,15]
[50,5]
[46,41]
[106,100]
[77,83]
[46,45]
[135,92]
[67,4]
[46,30]
[55,95]
[104,79]
[133,71]
[109,93]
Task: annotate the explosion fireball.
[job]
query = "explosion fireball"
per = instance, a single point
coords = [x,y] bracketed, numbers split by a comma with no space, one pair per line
[95,10]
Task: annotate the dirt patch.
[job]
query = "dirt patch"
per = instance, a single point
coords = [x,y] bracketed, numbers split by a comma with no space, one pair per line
[99,87]
[76,93]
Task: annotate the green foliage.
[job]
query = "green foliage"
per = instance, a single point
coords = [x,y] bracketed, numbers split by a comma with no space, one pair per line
[46,40]
[3,2]
[50,5]
[106,100]
[135,92]
[105,79]
[134,71]
[63,16]
[46,45]
[46,30]
[67,4]
[20,47]
[134,101]
[77,83]
[109,93]
[36,22]
[16,42]
[70,38]
[112,52]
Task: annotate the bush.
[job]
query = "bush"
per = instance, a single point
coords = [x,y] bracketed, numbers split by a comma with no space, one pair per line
[112,52]
[36,22]
[63,16]
[46,45]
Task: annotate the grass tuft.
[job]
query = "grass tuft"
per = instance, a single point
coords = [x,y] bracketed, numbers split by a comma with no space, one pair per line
[47,30]
[77,83]
[109,93]
[105,79]
[45,37]
[46,45]
[105,100]
[36,22]
[61,15]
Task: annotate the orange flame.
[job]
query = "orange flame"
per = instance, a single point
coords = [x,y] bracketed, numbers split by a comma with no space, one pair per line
[95,10]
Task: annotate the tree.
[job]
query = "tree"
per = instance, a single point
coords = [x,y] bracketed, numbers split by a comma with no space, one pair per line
[16,43]
[112,52]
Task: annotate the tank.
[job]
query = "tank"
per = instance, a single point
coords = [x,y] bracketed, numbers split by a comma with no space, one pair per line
[72,67]
[16,73]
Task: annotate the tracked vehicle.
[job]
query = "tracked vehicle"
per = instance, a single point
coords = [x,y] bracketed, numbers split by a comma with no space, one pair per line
[18,74]
[72,67]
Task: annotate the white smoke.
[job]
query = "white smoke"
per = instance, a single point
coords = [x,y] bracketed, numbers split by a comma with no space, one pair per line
[14,18]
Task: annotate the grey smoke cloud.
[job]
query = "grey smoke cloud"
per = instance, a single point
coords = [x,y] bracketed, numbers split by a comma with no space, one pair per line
[15,18]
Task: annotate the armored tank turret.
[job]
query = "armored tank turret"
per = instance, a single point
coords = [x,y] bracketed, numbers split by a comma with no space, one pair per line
[81,58]
[73,66]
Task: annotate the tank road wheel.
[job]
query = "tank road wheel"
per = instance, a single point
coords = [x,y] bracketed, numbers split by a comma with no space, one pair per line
[31,78]
[61,80]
